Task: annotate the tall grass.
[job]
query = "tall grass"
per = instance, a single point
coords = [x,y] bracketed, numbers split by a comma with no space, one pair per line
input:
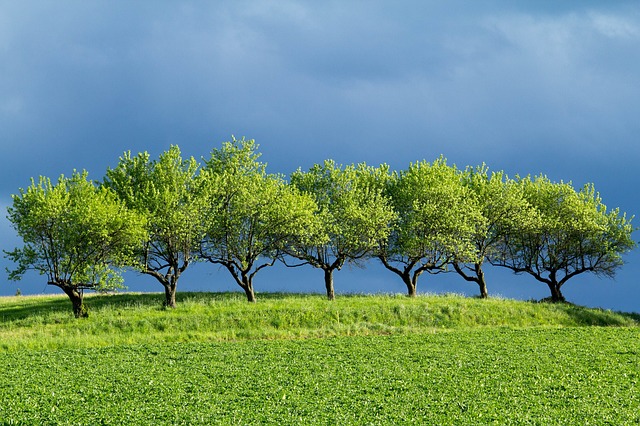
[46,322]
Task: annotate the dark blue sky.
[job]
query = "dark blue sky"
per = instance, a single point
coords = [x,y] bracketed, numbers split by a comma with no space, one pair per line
[526,87]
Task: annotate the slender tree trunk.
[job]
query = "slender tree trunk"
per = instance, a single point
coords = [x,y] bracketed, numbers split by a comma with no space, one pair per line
[328,283]
[481,282]
[556,294]
[484,294]
[77,300]
[405,274]
[170,295]
[248,290]
[478,278]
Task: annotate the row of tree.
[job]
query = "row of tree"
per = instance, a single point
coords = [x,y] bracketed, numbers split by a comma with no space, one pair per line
[160,215]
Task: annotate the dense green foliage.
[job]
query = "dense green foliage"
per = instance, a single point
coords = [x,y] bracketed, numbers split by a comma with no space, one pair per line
[573,233]
[435,222]
[353,216]
[164,191]
[503,211]
[431,217]
[74,233]
[459,375]
[250,215]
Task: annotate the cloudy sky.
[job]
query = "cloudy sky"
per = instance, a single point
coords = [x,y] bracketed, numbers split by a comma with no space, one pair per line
[527,87]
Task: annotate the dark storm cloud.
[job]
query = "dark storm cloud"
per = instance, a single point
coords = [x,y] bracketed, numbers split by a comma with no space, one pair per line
[528,87]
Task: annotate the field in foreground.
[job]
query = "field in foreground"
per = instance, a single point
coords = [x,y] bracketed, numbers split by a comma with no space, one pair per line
[387,360]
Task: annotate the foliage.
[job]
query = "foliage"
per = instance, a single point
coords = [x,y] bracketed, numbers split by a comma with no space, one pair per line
[436,221]
[250,214]
[501,376]
[504,210]
[353,216]
[428,218]
[75,234]
[165,191]
[575,234]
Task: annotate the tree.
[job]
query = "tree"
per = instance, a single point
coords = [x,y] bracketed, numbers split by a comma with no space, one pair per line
[503,209]
[74,233]
[436,219]
[574,235]
[165,191]
[250,215]
[353,216]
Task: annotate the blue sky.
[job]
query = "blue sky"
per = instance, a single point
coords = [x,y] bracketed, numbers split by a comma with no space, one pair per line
[526,87]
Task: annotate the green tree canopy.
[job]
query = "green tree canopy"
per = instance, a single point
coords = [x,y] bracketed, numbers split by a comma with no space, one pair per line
[436,221]
[503,209]
[575,234]
[74,233]
[166,192]
[250,215]
[352,217]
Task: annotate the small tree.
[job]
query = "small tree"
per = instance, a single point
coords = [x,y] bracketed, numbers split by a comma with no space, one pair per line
[503,209]
[353,216]
[436,220]
[250,215]
[165,192]
[75,234]
[575,234]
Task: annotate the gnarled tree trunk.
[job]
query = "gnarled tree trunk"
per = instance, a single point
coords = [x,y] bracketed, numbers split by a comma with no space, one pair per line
[246,283]
[478,278]
[405,274]
[412,285]
[77,300]
[170,295]
[248,290]
[556,294]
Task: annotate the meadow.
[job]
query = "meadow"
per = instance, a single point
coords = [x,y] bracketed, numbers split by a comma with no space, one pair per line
[299,359]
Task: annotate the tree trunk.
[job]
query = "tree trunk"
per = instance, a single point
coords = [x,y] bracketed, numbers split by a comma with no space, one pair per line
[248,290]
[481,282]
[556,294]
[412,290]
[478,278]
[251,296]
[484,294]
[170,295]
[328,283]
[77,300]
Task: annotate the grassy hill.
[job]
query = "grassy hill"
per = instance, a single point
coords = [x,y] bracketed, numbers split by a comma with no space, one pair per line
[299,359]
[45,322]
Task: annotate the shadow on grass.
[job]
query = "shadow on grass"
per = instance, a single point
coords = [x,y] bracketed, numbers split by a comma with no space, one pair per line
[595,316]
[601,317]
[20,308]
[31,306]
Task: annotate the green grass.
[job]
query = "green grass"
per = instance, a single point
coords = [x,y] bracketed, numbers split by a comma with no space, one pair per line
[46,322]
[299,359]
[558,376]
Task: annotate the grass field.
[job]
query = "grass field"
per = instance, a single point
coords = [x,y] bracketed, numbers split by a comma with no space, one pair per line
[298,359]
